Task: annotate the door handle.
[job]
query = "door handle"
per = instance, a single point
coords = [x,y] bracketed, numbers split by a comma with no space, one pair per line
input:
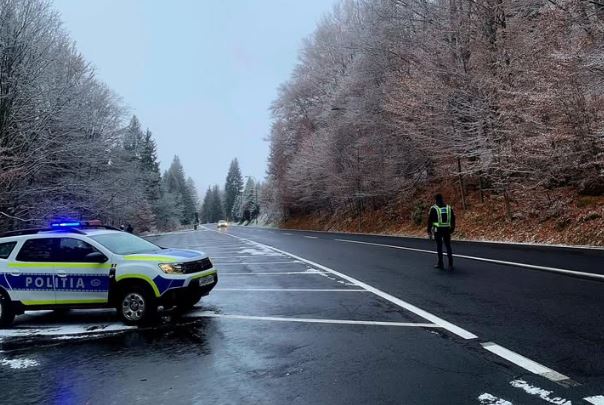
[61,274]
[15,273]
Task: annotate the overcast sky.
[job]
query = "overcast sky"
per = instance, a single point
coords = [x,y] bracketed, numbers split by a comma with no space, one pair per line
[201,74]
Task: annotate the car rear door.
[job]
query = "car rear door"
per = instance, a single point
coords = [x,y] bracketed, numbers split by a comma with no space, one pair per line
[81,278]
[31,275]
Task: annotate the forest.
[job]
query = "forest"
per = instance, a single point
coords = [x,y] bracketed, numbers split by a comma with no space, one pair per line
[498,104]
[67,149]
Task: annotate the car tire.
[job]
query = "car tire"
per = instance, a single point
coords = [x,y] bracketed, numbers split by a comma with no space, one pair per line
[7,314]
[136,306]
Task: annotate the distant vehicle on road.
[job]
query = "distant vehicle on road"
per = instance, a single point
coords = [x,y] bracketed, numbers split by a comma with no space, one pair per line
[222,224]
[88,265]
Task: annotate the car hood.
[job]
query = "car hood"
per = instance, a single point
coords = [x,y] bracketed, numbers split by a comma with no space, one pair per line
[168,256]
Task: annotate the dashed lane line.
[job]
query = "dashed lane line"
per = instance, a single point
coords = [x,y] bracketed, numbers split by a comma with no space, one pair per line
[525,363]
[310,237]
[575,273]
[207,314]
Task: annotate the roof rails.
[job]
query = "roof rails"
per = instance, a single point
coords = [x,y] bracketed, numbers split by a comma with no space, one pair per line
[33,231]
[111,228]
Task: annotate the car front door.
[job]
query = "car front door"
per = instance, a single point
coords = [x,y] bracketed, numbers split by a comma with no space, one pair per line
[82,273]
[31,275]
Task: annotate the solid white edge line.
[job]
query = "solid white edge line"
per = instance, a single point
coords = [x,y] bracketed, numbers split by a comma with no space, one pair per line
[483,259]
[524,362]
[483,241]
[247,263]
[397,301]
[314,320]
[274,273]
[595,400]
[292,289]
[242,256]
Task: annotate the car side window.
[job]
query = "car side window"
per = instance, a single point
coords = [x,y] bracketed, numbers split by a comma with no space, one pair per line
[6,249]
[75,250]
[37,250]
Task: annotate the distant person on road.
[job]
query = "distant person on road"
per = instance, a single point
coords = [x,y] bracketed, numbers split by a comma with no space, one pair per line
[129,228]
[441,224]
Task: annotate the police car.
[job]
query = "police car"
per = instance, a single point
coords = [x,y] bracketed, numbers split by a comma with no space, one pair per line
[88,265]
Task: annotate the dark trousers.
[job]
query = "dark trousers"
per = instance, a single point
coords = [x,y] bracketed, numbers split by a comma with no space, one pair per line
[443,235]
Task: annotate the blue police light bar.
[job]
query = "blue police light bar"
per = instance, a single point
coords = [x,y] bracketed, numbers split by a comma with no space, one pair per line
[65,224]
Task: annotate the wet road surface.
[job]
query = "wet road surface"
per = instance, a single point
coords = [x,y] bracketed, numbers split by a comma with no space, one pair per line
[326,322]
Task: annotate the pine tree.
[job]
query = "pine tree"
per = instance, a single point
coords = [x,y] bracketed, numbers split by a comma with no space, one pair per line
[205,207]
[217,211]
[133,137]
[250,206]
[236,214]
[150,168]
[232,187]
[167,210]
[177,185]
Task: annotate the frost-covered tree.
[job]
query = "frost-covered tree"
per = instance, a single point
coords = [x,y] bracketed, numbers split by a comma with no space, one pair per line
[394,97]
[232,187]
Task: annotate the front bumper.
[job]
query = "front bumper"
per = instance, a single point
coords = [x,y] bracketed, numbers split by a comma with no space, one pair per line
[198,286]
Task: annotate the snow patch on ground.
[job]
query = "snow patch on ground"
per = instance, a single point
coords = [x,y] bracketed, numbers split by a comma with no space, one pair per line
[258,251]
[64,331]
[597,400]
[19,363]
[540,392]
[488,399]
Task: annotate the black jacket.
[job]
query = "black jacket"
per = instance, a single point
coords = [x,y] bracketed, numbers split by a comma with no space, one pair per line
[433,217]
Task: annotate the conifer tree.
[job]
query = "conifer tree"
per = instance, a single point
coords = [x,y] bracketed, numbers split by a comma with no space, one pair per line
[232,187]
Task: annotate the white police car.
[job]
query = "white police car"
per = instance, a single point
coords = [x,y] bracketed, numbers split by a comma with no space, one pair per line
[87,265]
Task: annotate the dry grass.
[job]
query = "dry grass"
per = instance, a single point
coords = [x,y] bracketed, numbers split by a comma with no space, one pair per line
[557,217]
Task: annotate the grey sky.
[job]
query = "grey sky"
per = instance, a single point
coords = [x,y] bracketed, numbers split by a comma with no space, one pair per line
[200,74]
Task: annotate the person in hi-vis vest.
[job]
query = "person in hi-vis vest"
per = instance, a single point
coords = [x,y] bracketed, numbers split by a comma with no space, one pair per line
[441,224]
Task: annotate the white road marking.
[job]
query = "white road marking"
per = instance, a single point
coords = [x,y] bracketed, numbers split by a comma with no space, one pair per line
[238,257]
[310,237]
[597,400]
[397,301]
[524,362]
[483,241]
[292,289]
[274,273]
[285,233]
[19,363]
[483,259]
[488,399]
[206,314]
[246,263]
[540,392]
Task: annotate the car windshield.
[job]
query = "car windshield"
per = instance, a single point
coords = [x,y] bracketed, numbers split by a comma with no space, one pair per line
[123,243]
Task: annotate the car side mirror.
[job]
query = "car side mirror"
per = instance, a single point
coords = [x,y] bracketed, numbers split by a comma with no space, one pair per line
[96,257]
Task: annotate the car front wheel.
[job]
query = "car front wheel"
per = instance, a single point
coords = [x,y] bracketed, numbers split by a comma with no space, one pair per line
[136,306]
[7,314]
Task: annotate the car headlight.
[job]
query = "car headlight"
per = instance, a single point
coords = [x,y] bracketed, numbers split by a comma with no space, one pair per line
[171,268]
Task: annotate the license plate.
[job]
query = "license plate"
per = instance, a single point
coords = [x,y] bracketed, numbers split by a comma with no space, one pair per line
[206,280]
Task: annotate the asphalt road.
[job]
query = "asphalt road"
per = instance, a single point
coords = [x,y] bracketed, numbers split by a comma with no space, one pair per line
[305,317]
